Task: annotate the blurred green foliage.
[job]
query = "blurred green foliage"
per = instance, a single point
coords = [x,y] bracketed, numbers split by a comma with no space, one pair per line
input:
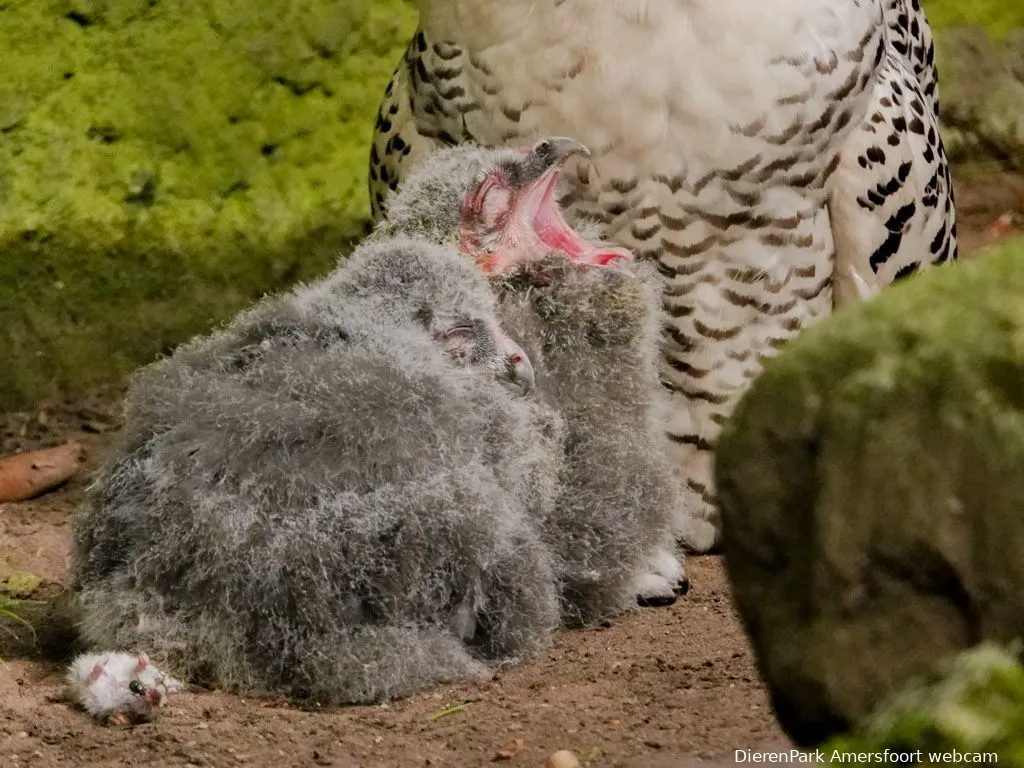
[162,162]
[997,16]
[975,705]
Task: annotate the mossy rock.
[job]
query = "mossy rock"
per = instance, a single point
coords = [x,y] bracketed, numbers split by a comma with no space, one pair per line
[871,489]
[163,162]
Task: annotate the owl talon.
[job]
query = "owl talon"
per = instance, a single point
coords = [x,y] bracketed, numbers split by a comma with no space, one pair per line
[656,601]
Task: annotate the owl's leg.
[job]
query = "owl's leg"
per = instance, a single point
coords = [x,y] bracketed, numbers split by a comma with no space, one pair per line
[664,580]
[653,591]
[701,535]
[697,524]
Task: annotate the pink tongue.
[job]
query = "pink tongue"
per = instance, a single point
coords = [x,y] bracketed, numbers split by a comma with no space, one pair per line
[554,232]
[604,256]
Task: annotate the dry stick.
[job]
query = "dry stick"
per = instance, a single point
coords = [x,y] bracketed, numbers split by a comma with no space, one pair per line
[26,475]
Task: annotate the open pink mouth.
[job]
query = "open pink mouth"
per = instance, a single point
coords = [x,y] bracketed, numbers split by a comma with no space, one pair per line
[514,221]
[539,207]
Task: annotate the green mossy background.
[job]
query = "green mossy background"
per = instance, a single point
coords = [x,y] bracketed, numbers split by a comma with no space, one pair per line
[998,17]
[165,162]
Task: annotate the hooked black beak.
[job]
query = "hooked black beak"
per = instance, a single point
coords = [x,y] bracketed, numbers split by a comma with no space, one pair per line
[557,149]
[548,154]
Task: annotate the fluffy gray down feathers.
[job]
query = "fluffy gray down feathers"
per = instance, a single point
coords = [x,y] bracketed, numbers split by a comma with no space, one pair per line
[593,334]
[428,204]
[318,502]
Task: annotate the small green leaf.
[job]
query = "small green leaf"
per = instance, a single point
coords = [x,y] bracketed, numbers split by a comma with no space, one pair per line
[449,710]
[21,585]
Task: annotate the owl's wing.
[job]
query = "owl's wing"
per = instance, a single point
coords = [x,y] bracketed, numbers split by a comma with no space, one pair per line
[891,200]
[909,35]
[423,109]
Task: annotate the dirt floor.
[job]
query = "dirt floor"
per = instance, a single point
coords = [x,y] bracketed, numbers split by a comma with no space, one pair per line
[652,690]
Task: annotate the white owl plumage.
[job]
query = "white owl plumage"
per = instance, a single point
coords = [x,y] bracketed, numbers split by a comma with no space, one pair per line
[775,159]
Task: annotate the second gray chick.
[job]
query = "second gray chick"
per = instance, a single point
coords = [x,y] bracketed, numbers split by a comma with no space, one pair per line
[594,335]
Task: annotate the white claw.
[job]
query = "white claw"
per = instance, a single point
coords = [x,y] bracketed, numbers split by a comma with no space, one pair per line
[865,290]
[651,588]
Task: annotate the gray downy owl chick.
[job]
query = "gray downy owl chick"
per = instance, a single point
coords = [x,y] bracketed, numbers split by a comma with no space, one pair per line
[330,499]
[497,207]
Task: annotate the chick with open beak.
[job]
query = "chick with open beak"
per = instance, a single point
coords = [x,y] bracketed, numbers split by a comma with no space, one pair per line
[496,205]
[511,216]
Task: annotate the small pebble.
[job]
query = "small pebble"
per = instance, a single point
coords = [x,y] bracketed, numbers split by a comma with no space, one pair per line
[563,758]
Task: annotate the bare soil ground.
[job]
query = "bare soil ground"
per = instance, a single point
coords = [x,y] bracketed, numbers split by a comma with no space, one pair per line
[657,688]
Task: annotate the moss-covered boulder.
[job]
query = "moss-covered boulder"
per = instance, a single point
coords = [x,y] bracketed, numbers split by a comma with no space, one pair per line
[872,492]
[980,49]
[164,161]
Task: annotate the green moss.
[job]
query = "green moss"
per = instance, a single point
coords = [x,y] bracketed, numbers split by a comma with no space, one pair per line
[20,585]
[975,705]
[998,17]
[162,163]
[870,487]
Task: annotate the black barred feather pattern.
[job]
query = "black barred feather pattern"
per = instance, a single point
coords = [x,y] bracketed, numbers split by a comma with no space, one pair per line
[770,174]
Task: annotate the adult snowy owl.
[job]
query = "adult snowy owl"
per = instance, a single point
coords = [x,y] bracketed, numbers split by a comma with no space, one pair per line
[776,159]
